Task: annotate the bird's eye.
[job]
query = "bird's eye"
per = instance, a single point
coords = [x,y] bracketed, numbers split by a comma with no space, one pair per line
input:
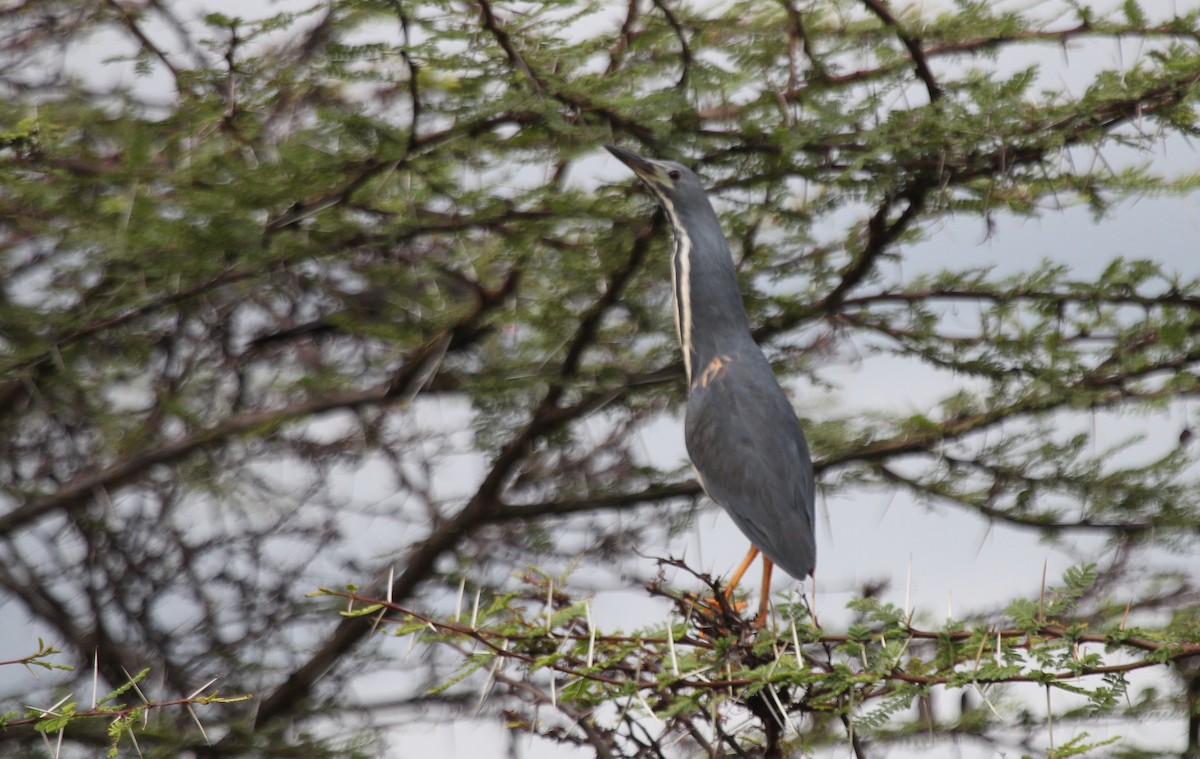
[674,174]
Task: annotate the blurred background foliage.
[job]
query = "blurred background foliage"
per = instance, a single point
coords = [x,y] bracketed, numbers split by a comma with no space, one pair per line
[305,294]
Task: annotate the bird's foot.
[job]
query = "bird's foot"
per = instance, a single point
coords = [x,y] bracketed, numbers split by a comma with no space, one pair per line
[714,616]
[718,605]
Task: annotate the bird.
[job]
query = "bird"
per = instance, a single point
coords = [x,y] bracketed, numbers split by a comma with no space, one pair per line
[744,440]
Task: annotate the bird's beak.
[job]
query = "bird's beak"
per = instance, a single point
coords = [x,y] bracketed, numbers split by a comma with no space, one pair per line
[645,169]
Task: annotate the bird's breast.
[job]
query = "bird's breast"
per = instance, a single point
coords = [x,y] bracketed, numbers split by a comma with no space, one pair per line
[713,371]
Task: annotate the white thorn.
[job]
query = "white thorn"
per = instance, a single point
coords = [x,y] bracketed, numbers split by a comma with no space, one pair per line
[202,688]
[671,648]
[412,643]
[192,712]
[908,610]
[796,645]
[133,737]
[487,684]
[850,722]
[987,701]
[783,712]
[462,586]
[1049,721]
[646,705]
[50,712]
[591,634]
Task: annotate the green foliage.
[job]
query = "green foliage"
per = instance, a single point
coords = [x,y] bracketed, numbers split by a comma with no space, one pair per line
[353,241]
[123,721]
[710,661]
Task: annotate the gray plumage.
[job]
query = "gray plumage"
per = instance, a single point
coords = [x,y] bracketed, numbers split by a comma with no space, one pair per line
[742,434]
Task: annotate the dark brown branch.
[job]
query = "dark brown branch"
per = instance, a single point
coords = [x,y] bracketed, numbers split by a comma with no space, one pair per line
[880,234]
[414,86]
[685,51]
[130,23]
[880,9]
[617,52]
[647,496]
[80,491]
[880,451]
[1033,520]
[798,35]
[1059,297]
[1058,38]
[1018,637]
[515,59]
[419,562]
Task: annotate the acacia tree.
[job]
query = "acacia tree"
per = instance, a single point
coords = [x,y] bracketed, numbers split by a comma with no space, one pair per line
[236,279]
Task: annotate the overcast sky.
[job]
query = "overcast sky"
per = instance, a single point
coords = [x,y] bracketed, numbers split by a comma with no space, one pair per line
[955,557]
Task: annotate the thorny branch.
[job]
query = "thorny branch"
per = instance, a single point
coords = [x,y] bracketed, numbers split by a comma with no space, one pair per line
[567,384]
[880,9]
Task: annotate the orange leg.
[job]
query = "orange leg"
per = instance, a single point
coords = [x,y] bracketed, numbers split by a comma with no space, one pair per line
[741,570]
[764,600]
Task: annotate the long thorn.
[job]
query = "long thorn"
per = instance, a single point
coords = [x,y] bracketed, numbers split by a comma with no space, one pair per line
[908,610]
[200,725]
[787,718]
[591,634]
[50,712]
[462,586]
[202,688]
[1049,721]
[1042,594]
[671,648]
[987,701]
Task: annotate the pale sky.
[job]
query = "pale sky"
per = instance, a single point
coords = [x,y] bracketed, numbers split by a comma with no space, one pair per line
[955,557]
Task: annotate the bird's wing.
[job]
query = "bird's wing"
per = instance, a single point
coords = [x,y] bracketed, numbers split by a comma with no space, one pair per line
[747,446]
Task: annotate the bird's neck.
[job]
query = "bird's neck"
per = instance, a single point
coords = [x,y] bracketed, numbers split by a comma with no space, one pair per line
[710,317]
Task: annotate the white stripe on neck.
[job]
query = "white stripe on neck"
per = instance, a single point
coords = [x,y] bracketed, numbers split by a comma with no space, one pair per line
[681,269]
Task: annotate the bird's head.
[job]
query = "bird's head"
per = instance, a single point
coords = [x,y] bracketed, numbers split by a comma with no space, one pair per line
[675,185]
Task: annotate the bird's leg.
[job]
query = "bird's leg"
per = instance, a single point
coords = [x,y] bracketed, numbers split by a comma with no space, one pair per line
[718,624]
[741,570]
[764,600]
